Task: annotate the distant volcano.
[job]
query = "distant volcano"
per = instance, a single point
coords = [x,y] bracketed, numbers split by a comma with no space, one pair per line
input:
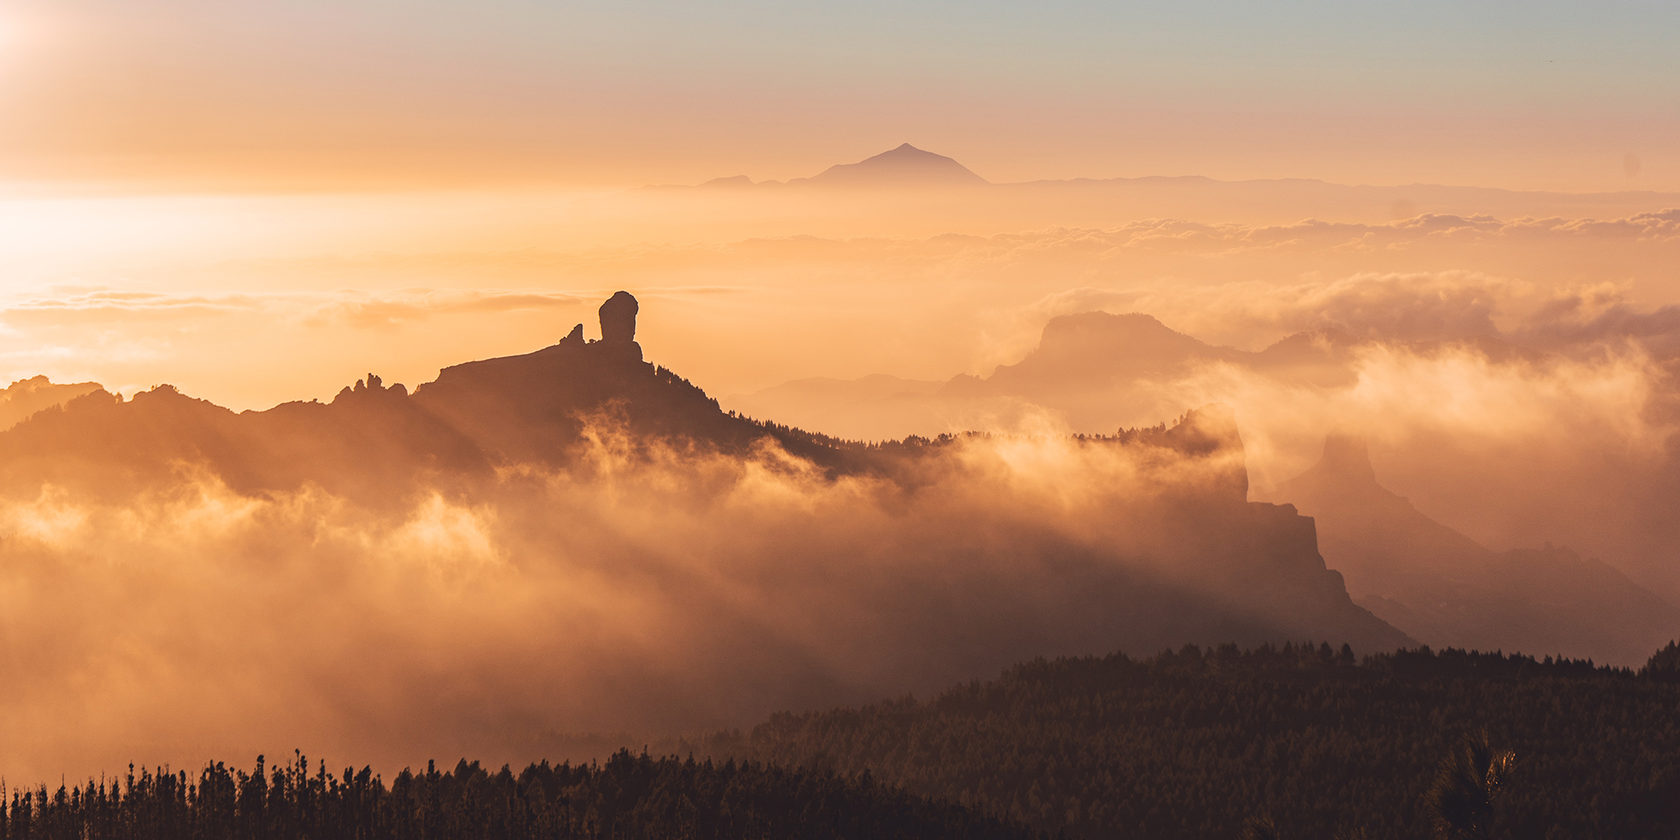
[903,165]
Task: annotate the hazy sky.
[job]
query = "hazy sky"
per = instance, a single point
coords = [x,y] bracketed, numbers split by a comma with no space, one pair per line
[260,201]
[237,94]
[265,200]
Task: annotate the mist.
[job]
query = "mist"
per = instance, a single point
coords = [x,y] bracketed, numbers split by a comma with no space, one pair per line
[639,591]
[1518,412]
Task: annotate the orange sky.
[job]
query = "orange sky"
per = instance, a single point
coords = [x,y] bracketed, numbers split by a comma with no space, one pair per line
[200,95]
[261,201]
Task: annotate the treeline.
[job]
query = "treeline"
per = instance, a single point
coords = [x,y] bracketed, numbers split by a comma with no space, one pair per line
[629,796]
[1210,743]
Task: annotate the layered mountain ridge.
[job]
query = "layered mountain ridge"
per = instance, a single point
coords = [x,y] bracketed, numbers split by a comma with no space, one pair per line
[1447,589]
[1083,368]
[1197,563]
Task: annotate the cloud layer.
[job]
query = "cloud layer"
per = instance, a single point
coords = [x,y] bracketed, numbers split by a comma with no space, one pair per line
[641,590]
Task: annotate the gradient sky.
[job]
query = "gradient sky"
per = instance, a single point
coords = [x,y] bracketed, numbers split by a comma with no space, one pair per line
[260,201]
[234,94]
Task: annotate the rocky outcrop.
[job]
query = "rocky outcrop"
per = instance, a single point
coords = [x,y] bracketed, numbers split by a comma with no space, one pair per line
[618,328]
[1166,547]
[372,385]
[618,318]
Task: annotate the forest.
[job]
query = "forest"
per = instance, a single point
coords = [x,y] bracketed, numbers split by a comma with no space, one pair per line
[627,796]
[1293,741]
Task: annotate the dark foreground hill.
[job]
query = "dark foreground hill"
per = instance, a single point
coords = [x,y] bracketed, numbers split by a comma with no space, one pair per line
[1203,743]
[1302,741]
[627,797]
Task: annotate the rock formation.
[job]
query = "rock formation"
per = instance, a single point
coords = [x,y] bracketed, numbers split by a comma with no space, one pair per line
[618,318]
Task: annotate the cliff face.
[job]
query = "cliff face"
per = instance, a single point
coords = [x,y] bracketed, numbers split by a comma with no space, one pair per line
[1259,561]
[1449,590]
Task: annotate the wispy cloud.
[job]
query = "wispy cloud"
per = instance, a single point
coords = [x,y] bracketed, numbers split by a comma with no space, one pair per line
[360,308]
[364,309]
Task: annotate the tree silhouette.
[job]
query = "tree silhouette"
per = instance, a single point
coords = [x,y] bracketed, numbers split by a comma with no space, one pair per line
[1466,786]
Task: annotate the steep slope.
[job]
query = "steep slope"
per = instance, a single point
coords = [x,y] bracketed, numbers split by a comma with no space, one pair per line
[1446,589]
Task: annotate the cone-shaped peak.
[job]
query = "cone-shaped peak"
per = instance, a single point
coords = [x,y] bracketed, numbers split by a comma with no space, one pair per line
[902,165]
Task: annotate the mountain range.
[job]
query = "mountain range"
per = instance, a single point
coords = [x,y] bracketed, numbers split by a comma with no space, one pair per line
[1083,368]
[381,445]
[1419,575]
[1195,561]
[1446,589]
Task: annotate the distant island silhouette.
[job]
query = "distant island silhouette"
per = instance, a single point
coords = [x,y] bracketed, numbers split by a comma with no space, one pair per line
[902,165]
[912,170]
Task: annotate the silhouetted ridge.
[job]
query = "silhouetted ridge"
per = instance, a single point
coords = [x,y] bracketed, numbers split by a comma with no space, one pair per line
[905,165]
[1182,554]
[1094,349]
[1446,589]
[25,397]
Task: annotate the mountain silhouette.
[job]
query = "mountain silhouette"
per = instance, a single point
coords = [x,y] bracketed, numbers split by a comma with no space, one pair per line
[25,397]
[1086,367]
[1093,349]
[379,443]
[1084,202]
[905,165]
[1200,562]
[1093,370]
[1446,589]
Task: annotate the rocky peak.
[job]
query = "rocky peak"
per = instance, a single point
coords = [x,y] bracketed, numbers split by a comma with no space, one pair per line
[618,326]
[618,318]
[372,385]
